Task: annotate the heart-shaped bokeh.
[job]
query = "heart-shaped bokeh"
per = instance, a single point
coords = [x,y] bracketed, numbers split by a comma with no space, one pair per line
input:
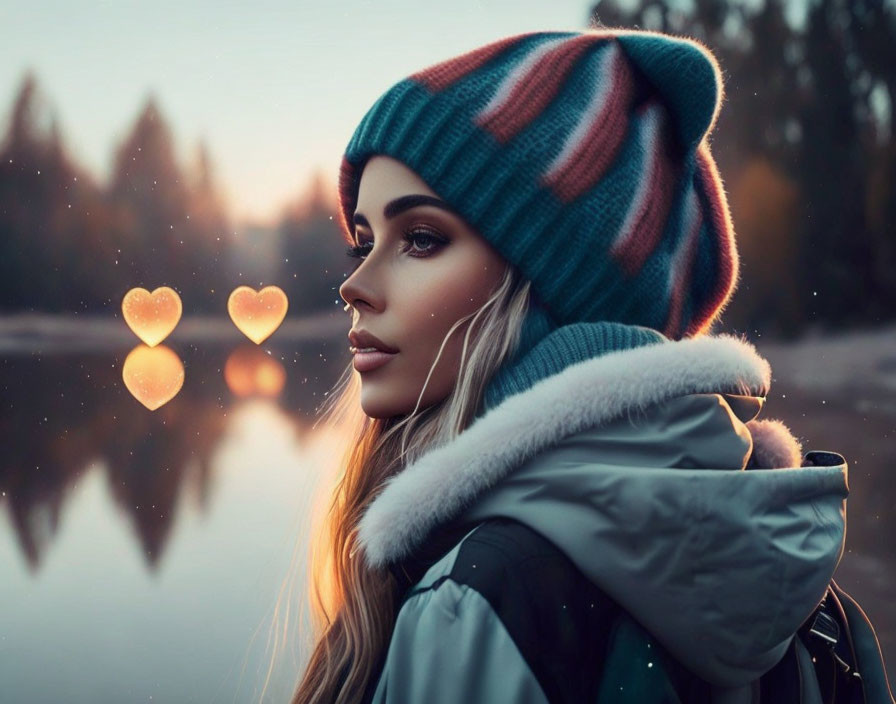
[153,375]
[257,314]
[152,316]
[250,371]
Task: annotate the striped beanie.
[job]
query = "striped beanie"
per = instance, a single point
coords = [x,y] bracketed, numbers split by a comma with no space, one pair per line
[582,157]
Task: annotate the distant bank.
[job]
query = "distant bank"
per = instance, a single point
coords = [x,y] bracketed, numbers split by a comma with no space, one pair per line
[24,333]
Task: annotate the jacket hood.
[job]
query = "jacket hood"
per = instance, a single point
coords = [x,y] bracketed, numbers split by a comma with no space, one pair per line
[649,469]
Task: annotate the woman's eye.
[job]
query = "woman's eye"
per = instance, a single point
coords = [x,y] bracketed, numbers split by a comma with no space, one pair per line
[429,241]
[359,251]
[420,243]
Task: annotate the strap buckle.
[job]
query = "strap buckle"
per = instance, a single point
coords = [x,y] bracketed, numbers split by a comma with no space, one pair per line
[826,628]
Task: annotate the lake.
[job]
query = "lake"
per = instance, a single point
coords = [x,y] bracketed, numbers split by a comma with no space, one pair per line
[142,553]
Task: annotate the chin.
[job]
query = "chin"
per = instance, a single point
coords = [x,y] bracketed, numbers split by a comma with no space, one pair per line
[389,407]
[383,408]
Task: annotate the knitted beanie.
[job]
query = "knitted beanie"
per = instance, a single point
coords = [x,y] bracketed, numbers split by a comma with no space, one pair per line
[583,158]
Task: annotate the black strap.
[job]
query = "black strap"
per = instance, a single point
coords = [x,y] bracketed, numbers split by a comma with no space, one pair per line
[826,636]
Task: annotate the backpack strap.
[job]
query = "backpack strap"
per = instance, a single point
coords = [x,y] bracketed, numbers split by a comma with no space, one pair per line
[866,649]
[826,635]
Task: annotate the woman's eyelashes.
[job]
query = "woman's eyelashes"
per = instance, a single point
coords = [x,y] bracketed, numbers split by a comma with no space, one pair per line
[418,242]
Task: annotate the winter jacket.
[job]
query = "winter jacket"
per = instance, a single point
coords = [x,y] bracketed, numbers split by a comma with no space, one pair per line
[640,480]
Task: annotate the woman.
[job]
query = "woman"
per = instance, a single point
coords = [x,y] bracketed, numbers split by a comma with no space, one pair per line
[548,498]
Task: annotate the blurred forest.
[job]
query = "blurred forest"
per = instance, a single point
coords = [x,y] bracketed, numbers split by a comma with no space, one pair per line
[806,146]
[71,244]
[804,143]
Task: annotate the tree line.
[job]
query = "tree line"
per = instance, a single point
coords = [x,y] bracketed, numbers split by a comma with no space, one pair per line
[69,243]
[804,142]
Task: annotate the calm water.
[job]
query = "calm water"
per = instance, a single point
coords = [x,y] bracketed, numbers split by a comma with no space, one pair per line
[142,552]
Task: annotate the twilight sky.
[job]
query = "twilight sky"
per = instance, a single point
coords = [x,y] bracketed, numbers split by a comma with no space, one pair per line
[275,87]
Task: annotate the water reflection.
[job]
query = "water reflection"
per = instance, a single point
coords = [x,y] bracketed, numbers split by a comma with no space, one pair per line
[153,375]
[64,413]
[250,371]
[145,550]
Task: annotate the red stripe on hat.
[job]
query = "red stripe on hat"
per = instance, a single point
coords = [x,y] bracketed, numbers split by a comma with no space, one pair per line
[722,233]
[535,90]
[599,147]
[346,197]
[647,228]
[441,75]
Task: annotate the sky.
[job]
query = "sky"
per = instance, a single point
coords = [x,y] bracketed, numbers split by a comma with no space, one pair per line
[275,88]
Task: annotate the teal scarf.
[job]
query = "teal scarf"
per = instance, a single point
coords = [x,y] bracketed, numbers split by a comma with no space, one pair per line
[546,349]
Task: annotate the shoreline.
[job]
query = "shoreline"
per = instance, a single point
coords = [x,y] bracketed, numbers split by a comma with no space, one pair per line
[47,333]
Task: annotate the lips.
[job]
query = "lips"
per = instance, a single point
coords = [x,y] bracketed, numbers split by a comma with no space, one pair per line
[369,352]
[368,361]
[362,339]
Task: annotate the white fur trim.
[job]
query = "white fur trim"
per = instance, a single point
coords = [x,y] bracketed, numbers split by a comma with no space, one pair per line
[446,479]
[774,446]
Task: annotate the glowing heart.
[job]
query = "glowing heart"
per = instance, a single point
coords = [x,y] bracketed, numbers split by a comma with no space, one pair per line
[153,375]
[257,314]
[152,316]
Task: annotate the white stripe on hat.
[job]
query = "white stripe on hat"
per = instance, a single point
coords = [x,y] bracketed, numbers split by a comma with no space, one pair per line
[604,85]
[516,76]
[647,133]
[691,227]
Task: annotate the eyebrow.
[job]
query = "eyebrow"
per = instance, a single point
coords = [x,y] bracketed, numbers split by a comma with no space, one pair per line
[399,205]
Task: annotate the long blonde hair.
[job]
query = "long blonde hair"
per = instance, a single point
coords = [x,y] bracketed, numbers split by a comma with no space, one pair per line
[354,613]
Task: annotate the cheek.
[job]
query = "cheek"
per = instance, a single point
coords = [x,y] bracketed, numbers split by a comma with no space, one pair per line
[429,296]
[441,296]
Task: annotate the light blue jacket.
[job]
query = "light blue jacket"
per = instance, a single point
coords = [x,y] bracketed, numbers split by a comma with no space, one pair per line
[649,469]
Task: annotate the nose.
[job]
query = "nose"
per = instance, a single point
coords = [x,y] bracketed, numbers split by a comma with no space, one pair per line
[359,292]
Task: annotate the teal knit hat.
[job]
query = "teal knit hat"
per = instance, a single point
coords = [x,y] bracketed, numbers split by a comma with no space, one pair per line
[583,158]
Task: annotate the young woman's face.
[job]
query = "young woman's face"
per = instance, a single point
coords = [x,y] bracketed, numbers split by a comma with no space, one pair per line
[422,268]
